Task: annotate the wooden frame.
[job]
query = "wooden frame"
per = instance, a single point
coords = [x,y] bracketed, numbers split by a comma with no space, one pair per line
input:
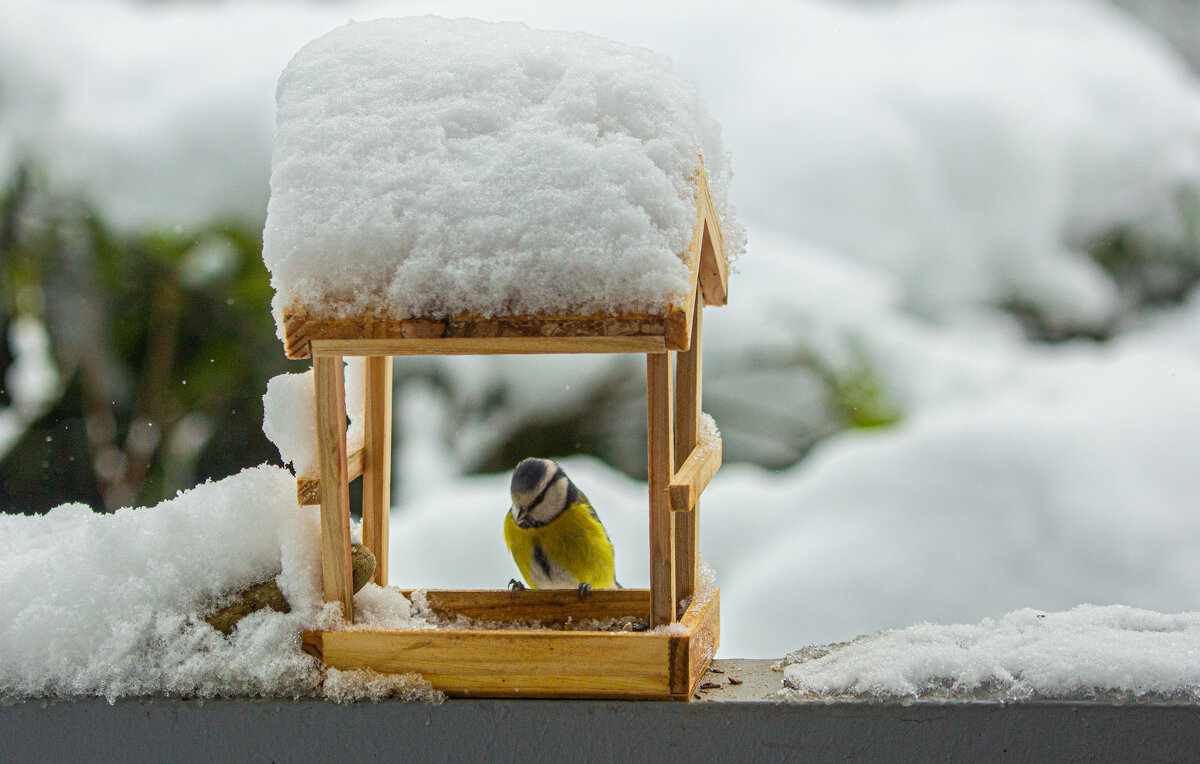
[538,663]
[551,661]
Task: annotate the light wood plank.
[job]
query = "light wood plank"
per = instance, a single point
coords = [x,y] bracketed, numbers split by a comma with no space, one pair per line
[688,389]
[660,462]
[692,478]
[585,333]
[489,346]
[509,663]
[336,577]
[308,489]
[703,621]
[532,663]
[546,606]
[377,462]
[714,261]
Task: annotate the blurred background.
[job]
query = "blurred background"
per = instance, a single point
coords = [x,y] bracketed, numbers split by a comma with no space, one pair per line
[959,372]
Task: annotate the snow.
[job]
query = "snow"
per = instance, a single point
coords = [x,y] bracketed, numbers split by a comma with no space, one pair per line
[905,169]
[32,380]
[1074,485]
[708,435]
[1072,482]
[290,415]
[1083,652]
[290,420]
[111,604]
[364,684]
[114,605]
[985,141]
[864,140]
[955,155]
[426,167]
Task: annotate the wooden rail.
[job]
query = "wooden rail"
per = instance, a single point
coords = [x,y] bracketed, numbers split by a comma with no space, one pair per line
[692,478]
[308,489]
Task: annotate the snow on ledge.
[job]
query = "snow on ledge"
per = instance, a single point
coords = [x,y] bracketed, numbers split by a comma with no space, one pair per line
[428,167]
[1084,652]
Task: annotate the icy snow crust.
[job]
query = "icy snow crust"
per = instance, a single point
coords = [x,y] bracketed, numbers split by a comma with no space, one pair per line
[1026,654]
[427,167]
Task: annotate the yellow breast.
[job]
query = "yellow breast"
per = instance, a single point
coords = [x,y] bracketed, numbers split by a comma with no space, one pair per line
[572,549]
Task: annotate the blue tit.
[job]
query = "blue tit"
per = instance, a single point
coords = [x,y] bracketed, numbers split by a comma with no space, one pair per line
[554,535]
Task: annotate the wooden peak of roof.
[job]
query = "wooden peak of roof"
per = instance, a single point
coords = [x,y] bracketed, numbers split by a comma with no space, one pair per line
[544,333]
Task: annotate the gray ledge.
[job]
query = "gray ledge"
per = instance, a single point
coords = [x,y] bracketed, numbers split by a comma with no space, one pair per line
[732,722]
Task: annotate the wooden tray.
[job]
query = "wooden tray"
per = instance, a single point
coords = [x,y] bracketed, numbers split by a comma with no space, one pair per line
[533,662]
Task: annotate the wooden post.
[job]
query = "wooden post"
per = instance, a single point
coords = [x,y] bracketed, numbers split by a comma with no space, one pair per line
[377,461]
[336,577]
[687,423]
[660,465]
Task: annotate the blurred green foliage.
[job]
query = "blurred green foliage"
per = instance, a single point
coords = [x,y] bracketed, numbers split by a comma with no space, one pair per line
[1148,270]
[859,394]
[163,342]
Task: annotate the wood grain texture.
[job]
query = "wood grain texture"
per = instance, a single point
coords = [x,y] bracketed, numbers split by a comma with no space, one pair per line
[377,461]
[714,260]
[488,346]
[703,622]
[533,663]
[308,489]
[688,389]
[430,335]
[660,467]
[336,577]
[546,606]
[536,663]
[692,478]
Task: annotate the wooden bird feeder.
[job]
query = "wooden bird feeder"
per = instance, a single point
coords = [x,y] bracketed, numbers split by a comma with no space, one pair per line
[525,662]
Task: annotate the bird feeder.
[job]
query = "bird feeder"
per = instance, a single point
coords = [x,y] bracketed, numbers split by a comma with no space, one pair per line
[522,662]
[458,187]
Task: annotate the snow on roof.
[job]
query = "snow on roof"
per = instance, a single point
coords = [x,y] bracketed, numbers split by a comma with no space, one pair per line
[426,167]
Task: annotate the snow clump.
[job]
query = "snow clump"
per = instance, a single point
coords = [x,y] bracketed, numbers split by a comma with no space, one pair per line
[426,167]
[290,415]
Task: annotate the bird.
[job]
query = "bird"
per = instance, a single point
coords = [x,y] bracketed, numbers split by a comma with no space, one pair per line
[555,536]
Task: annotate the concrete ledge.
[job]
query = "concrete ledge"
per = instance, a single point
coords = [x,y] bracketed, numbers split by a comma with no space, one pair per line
[738,727]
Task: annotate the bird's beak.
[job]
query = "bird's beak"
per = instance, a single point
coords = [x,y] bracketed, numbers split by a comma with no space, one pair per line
[522,518]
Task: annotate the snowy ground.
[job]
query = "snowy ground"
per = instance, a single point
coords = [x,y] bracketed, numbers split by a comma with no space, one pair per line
[905,172]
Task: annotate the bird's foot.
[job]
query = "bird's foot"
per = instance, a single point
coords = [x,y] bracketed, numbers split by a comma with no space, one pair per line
[515,586]
[584,590]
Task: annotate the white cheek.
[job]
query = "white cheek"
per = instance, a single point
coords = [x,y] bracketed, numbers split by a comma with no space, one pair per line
[551,503]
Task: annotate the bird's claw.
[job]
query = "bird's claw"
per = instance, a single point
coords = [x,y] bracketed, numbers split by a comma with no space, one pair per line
[584,590]
[515,586]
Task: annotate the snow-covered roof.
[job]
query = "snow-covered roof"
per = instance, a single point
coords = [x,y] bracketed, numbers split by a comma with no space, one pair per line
[430,168]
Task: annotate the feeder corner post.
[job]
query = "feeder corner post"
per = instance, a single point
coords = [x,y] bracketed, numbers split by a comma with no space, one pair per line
[660,459]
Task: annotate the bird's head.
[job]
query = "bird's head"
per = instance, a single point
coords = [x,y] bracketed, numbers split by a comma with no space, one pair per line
[540,490]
